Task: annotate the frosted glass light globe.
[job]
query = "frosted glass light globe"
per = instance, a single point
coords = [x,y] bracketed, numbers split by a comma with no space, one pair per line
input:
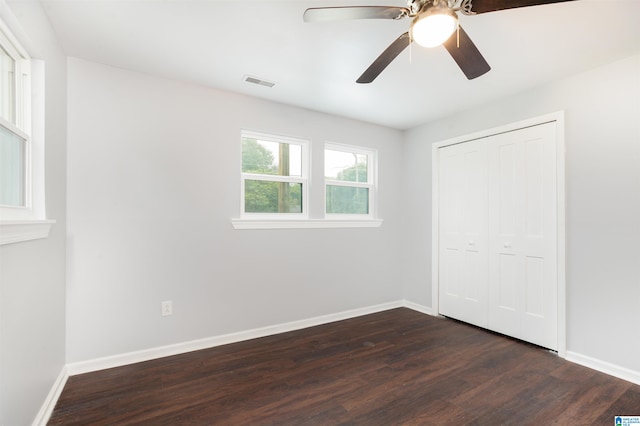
[433,29]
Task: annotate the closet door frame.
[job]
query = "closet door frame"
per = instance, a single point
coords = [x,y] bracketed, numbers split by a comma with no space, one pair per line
[558,118]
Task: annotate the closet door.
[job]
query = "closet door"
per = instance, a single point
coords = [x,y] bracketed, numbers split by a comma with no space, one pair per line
[463,232]
[522,234]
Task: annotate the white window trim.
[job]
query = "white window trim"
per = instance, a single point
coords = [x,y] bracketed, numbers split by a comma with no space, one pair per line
[15,231]
[371,184]
[29,222]
[303,180]
[304,224]
[256,221]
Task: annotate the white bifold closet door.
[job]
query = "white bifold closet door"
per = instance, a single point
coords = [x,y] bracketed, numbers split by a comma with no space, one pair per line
[523,294]
[498,233]
[463,232]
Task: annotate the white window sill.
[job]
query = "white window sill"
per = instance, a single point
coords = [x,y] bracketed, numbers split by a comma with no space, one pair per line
[15,231]
[304,223]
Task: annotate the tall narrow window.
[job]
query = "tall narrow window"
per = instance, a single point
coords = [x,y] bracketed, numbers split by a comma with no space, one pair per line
[349,174]
[23,214]
[274,176]
[15,128]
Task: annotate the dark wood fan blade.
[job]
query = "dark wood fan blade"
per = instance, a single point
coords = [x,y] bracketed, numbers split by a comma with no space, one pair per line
[385,59]
[326,14]
[466,55]
[483,6]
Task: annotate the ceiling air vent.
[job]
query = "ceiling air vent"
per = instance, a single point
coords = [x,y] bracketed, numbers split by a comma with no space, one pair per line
[258,81]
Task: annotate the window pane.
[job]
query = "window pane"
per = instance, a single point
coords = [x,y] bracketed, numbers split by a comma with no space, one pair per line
[7,86]
[271,158]
[272,197]
[12,169]
[345,166]
[347,200]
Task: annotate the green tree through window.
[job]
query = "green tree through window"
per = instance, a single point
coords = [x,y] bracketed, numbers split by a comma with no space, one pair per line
[347,199]
[275,159]
[349,179]
[256,158]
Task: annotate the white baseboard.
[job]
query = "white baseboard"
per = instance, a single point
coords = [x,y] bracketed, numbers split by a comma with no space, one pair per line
[604,367]
[210,342]
[419,308]
[52,398]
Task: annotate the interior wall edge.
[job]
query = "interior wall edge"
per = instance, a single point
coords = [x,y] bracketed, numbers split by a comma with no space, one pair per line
[418,307]
[44,414]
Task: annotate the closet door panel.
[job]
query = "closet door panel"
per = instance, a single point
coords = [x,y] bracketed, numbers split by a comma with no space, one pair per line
[504,158]
[522,234]
[503,218]
[540,292]
[463,232]
[450,256]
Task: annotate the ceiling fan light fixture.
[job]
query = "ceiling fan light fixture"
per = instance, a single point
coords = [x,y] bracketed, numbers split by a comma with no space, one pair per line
[434,26]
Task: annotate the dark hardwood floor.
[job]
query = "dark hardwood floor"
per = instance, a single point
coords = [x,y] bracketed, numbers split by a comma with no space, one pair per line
[393,367]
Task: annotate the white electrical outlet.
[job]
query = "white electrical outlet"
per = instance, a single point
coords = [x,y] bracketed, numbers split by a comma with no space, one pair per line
[167,308]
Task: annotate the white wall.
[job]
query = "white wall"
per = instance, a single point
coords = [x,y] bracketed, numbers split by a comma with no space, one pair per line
[32,273]
[153,172]
[602,110]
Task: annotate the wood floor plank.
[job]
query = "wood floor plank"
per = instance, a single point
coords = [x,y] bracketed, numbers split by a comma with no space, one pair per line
[393,367]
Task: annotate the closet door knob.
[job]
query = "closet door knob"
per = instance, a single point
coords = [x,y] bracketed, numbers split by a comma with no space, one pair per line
[472,243]
[507,245]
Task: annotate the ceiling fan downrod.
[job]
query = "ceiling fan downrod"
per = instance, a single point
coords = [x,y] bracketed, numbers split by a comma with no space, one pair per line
[463,6]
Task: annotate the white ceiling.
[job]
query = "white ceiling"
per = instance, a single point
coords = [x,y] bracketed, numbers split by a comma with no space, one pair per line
[314,66]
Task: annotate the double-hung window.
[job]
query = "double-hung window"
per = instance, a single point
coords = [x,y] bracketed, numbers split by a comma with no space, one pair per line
[22,91]
[350,181]
[15,124]
[275,172]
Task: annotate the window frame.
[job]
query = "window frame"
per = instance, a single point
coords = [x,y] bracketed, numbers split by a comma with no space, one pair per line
[303,179]
[21,124]
[26,222]
[371,184]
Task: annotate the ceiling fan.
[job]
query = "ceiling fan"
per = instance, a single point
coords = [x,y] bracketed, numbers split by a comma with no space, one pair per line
[434,22]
